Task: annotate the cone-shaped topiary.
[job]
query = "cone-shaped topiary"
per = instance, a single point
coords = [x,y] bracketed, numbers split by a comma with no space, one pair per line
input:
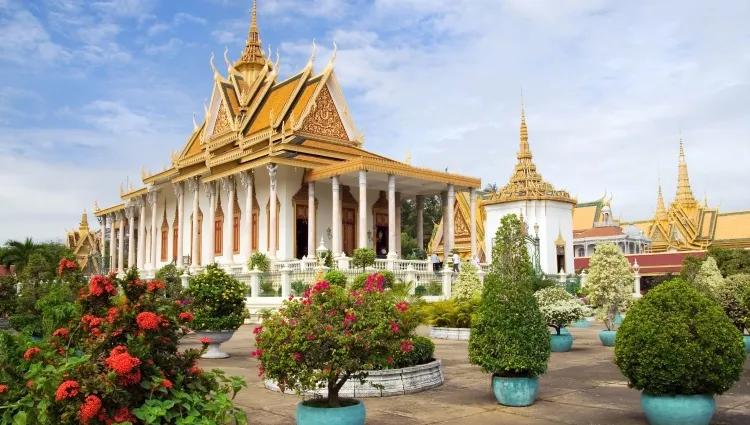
[610,282]
[509,337]
[676,342]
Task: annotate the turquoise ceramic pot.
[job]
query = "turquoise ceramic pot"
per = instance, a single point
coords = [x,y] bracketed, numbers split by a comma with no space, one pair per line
[607,338]
[582,324]
[516,392]
[747,343]
[561,343]
[349,415]
[678,409]
[618,319]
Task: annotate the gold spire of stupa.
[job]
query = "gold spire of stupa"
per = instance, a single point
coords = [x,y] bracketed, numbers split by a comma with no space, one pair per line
[684,194]
[525,171]
[252,59]
[661,211]
[84,222]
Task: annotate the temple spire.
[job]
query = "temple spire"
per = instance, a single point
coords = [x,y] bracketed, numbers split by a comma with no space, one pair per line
[84,222]
[684,194]
[252,60]
[661,211]
[525,172]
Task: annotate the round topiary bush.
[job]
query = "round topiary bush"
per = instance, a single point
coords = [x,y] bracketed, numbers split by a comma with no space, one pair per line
[676,342]
[336,277]
[217,300]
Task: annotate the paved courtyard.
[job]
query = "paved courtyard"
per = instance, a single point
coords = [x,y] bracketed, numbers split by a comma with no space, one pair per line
[581,387]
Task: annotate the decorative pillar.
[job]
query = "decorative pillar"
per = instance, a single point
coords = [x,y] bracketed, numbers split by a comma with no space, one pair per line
[112,248]
[152,241]
[398,226]
[286,281]
[362,209]
[195,188]
[210,189]
[246,180]
[272,169]
[130,215]
[392,217]
[420,222]
[228,184]
[141,233]
[179,192]
[311,224]
[473,221]
[121,241]
[446,239]
[451,219]
[335,216]
[636,280]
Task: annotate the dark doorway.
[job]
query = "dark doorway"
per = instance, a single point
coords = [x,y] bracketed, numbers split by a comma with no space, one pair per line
[560,259]
[381,241]
[301,231]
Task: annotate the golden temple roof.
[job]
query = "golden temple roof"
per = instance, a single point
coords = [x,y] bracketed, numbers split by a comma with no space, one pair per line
[526,184]
[684,194]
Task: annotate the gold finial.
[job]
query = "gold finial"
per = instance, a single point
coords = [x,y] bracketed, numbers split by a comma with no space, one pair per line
[684,194]
[278,60]
[230,67]
[143,173]
[122,189]
[130,187]
[661,211]
[84,221]
[252,60]
[408,157]
[705,200]
[312,56]
[195,124]
[333,57]
[560,241]
[213,68]
[96,206]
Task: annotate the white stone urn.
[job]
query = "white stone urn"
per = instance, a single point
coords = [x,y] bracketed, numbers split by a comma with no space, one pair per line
[217,338]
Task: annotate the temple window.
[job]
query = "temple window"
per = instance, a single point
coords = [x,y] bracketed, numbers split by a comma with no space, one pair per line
[236,220]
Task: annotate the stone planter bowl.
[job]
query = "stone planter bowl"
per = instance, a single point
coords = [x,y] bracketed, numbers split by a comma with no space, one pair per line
[455,334]
[408,380]
[217,338]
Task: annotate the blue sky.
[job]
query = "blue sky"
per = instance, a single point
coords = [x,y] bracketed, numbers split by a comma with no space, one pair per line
[91,91]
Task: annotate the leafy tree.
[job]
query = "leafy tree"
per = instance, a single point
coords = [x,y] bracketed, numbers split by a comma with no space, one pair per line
[490,187]
[731,261]
[708,279]
[8,294]
[560,308]
[610,281]
[170,275]
[509,336]
[363,258]
[468,284]
[432,213]
[18,253]
[729,296]
[691,264]
[409,246]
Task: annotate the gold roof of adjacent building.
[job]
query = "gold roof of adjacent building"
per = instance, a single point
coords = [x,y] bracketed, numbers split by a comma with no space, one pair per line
[526,183]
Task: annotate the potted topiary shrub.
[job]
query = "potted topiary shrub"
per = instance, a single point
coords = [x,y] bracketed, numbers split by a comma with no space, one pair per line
[218,303]
[560,309]
[745,300]
[610,284]
[729,294]
[330,336]
[509,336]
[363,258]
[260,261]
[680,349]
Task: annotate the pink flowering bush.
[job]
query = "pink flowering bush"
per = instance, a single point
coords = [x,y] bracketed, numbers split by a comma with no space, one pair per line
[332,335]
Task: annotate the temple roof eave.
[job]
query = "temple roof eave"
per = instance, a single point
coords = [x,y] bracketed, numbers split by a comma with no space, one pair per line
[109,210]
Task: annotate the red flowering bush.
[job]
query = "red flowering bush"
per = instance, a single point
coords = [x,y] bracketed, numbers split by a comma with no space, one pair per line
[332,335]
[65,265]
[117,361]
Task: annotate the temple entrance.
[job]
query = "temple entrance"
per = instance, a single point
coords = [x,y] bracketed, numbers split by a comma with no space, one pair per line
[301,227]
[348,224]
[381,235]
[560,259]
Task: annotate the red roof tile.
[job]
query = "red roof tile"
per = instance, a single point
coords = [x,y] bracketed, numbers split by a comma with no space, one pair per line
[596,232]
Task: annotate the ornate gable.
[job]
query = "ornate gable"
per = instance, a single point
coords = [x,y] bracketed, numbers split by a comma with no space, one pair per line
[222,124]
[324,119]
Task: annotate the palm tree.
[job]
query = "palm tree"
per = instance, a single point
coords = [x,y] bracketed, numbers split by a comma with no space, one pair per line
[17,253]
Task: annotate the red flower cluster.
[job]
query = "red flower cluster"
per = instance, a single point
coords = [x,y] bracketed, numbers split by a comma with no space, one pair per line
[121,361]
[257,330]
[257,353]
[148,320]
[155,285]
[205,340]
[67,389]
[66,264]
[31,352]
[407,346]
[3,388]
[90,408]
[402,306]
[100,285]
[62,333]
[394,326]
[186,316]
[167,383]
[374,283]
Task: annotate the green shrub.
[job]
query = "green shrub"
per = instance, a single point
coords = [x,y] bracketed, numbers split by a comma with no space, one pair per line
[509,335]
[328,259]
[259,260]
[217,300]
[423,352]
[299,287]
[451,313]
[359,281]
[708,280]
[170,275]
[729,296]
[57,308]
[541,281]
[29,324]
[560,309]
[420,290]
[363,258]
[610,282]
[675,341]
[267,289]
[8,296]
[435,288]
[389,278]
[468,284]
[336,277]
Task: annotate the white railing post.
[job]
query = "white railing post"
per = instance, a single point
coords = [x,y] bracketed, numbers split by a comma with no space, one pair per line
[343,262]
[481,274]
[255,282]
[391,264]
[286,281]
[185,278]
[447,280]
[411,278]
[561,278]
[636,285]
[583,278]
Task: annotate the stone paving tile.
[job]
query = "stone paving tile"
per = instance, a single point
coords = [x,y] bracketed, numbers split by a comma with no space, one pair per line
[581,387]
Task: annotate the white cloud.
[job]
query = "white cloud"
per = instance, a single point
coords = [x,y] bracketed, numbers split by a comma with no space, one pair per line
[171,46]
[156,29]
[182,17]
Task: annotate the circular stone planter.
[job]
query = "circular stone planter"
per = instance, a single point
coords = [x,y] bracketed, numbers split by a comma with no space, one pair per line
[561,343]
[515,392]
[747,343]
[607,338]
[394,381]
[678,409]
[456,334]
[217,338]
[349,415]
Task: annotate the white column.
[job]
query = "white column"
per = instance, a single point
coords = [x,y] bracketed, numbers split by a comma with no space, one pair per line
[335,216]
[130,215]
[420,222]
[246,179]
[210,189]
[194,187]
[451,220]
[446,231]
[152,241]
[362,209]
[121,241]
[179,192]
[398,226]
[272,169]
[112,248]
[473,220]
[311,224]
[141,233]
[228,184]
[392,216]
